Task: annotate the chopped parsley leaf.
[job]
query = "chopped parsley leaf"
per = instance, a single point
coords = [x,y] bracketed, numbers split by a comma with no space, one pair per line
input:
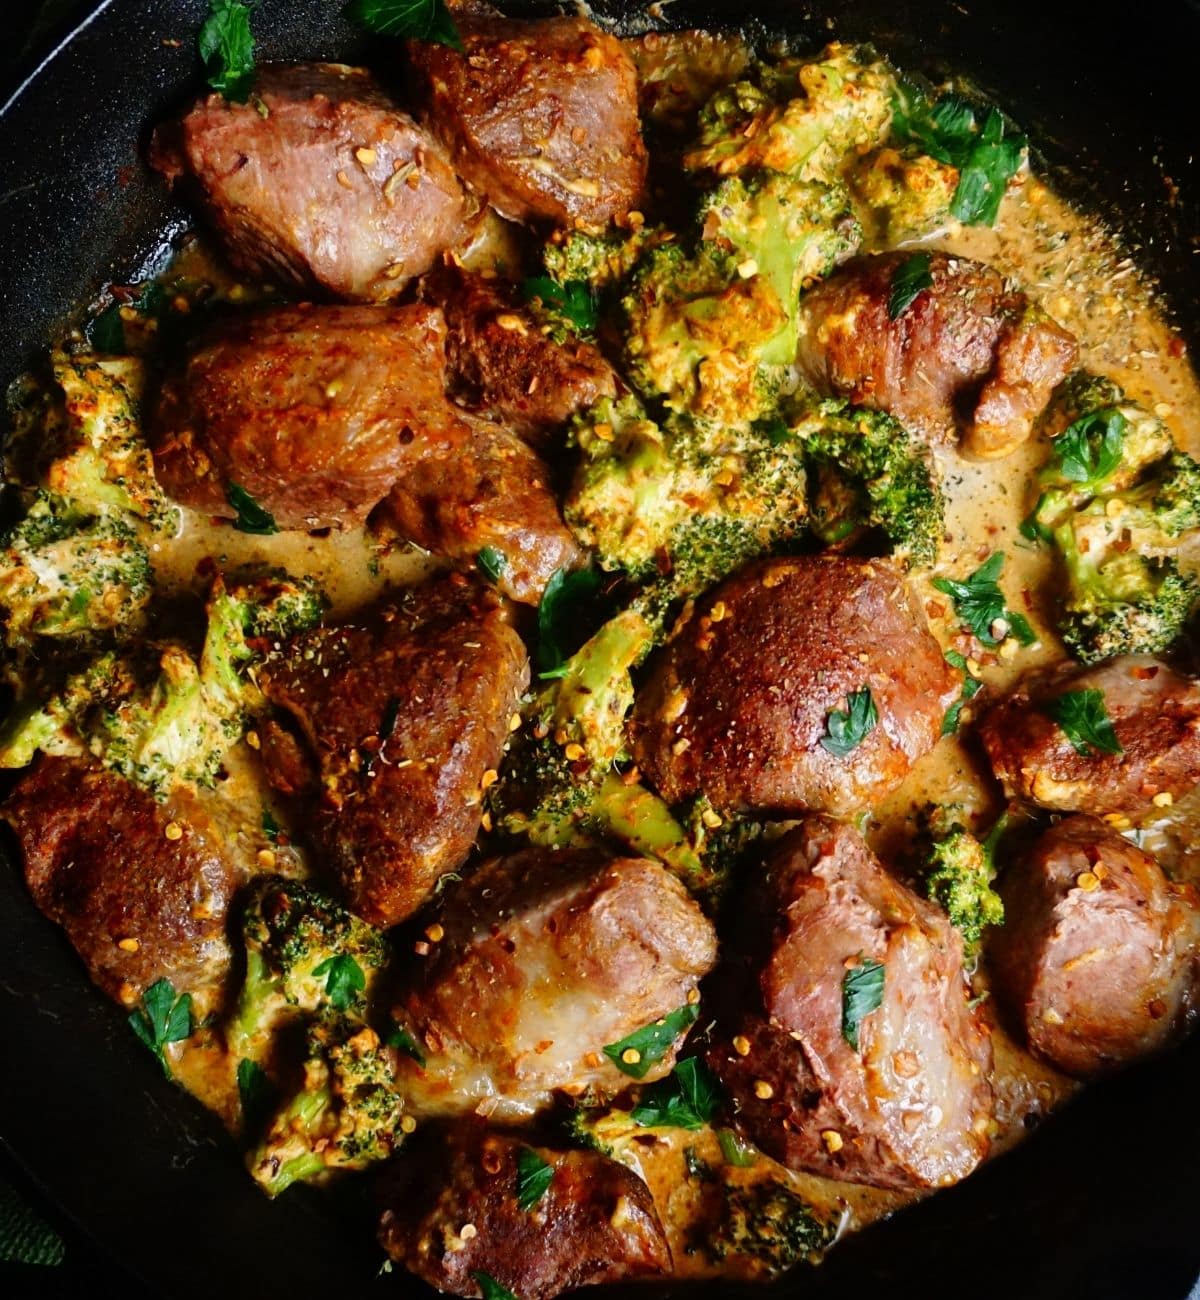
[646,1046]
[162,1018]
[1084,720]
[862,993]
[847,730]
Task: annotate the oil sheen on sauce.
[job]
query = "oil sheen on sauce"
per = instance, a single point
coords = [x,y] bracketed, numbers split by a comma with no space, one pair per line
[1077,272]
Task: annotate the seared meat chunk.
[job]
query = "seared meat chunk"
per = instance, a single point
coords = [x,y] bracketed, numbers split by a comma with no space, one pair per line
[540,116]
[319,181]
[504,364]
[490,491]
[737,705]
[1155,713]
[312,411]
[594,1223]
[1097,959]
[137,905]
[970,347]
[546,959]
[910,1104]
[404,710]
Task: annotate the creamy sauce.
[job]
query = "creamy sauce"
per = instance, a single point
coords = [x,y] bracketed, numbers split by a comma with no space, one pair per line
[1076,271]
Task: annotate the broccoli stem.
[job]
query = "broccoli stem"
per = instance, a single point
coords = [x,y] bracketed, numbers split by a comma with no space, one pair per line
[594,694]
[259,990]
[292,1129]
[644,822]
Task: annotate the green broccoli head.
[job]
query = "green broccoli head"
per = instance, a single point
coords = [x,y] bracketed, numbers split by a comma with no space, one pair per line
[788,231]
[1112,439]
[157,715]
[57,723]
[957,875]
[768,1223]
[712,332]
[1125,592]
[304,952]
[100,460]
[602,260]
[347,1113]
[1121,602]
[902,194]
[558,785]
[696,331]
[66,573]
[682,506]
[869,473]
[629,491]
[803,117]
[268,608]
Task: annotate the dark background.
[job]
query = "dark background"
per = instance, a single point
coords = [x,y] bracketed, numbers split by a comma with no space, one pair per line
[1103,1206]
[30,27]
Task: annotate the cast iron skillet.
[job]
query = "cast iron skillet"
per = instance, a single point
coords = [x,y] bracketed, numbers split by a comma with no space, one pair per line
[1102,1203]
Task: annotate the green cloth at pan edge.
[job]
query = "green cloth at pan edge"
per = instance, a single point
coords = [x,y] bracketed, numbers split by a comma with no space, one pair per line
[25,1237]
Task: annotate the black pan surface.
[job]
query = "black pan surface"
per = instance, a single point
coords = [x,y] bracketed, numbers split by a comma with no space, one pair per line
[1102,1204]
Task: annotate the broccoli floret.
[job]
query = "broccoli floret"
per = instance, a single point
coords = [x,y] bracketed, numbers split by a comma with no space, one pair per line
[1120,602]
[1143,438]
[599,260]
[902,195]
[1125,592]
[957,875]
[788,231]
[767,1222]
[869,473]
[712,331]
[101,462]
[1101,443]
[558,785]
[65,573]
[163,718]
[55,725]
[304,952]
[683,505]
[794,116]
[610,1130]
[345,1115]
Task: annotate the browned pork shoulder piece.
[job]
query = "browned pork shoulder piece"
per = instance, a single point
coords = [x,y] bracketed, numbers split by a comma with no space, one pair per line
[594,1223]
[540,116]
[319,182]
[491,492]
[402,712]
[502,362]
[543,960]
[1097,959]
[313,412]
[831,1071]
[139,902]
[739,705]
[1155,714]
[969,349]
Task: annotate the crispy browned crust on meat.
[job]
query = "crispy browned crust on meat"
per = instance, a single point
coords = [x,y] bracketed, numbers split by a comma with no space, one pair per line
[1097,958]
[313,411]
[908,1108]
[490,490]
[1155,712]
[969,349]
[503,364]
[540,116]
[137,905]
[405,709]
[319,181]
[595,1223]
[545,959]
[737,703]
